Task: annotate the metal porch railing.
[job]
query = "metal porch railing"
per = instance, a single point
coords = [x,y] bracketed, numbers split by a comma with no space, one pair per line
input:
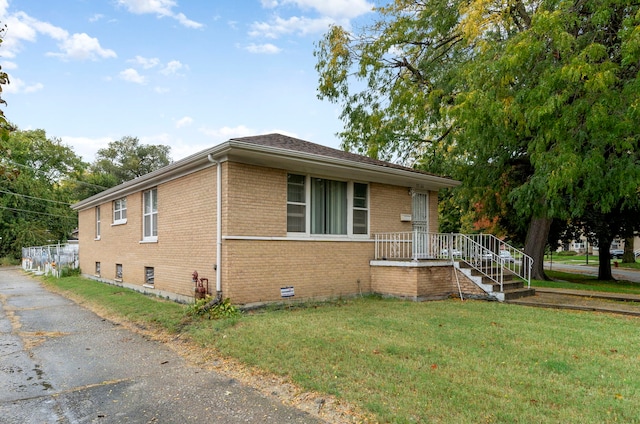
[484,252]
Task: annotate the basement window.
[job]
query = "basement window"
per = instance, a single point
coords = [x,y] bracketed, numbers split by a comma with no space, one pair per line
[149,277]
[118,272]
[97,269]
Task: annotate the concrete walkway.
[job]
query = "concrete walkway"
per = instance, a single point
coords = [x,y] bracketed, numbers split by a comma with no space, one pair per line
[583,300]
[62,364]
[586,300]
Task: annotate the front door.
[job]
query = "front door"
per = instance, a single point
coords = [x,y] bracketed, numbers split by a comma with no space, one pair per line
[420,220]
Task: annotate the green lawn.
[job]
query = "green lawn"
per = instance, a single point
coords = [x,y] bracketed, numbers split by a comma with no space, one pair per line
[432,362]
[567,280]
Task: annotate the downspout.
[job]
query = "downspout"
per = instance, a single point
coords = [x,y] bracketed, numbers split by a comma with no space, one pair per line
[218,223]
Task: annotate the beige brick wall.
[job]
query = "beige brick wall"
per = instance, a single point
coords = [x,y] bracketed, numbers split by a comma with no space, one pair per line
[387,203]
[186,236]
[433,211]
[395,281]
[253,205]
[420,281]
[256,201]
[256,270]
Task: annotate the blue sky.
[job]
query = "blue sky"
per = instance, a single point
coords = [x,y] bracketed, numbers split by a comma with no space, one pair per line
[188,74]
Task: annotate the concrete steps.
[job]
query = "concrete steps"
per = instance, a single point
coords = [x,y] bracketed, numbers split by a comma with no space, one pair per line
[512,287]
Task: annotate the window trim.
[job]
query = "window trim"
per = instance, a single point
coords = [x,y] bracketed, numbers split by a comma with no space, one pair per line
[97,222]
[122,210]
[153,196]
[350,208]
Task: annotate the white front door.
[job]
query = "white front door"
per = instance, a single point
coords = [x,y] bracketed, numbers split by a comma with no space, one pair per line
[420,220]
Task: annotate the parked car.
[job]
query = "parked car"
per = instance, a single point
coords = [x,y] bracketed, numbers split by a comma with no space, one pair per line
[454,252]
[616,253]
[505,256]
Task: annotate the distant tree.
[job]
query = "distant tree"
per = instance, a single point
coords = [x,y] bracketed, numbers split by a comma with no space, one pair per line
[602,228]
[127,159]
[34,205]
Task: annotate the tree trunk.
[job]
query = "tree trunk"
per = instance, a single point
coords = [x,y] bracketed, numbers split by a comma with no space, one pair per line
[535,244]
[628,257]
[604,260]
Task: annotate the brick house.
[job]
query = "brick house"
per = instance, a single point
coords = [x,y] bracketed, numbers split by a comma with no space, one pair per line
[262,218]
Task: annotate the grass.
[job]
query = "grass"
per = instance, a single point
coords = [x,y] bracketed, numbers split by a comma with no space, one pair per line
[566,280]
[437,362]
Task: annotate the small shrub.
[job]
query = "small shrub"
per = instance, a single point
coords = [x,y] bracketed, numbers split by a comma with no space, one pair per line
[567,253]
[220,310]
[69,272]
[9,261]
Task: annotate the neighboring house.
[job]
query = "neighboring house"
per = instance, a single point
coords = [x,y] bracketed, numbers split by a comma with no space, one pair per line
[262,218]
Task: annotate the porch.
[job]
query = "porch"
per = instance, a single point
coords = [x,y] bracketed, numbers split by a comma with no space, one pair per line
[422,265]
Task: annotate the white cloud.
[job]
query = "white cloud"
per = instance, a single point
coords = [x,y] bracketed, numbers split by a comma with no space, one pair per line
[327,12]
[145,62]
[16,85]
[186,121]
[225,133]
[338,9]
[160,8]
[6,66]
[131,75]
[173,67]
[86,147]
[294,25]
[24,28]
[82,47]
[161,90]
[96,17]
[263,48]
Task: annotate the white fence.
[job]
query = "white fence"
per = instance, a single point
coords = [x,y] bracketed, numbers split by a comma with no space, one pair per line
[50,259]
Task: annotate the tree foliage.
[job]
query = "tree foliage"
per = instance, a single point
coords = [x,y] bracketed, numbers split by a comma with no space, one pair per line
[126,159]
[532,104]
[34,201]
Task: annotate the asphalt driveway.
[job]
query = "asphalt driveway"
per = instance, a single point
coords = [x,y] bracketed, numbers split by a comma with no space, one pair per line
[60,363]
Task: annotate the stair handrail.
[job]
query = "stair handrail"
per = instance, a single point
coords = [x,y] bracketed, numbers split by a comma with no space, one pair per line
[480,258]
[502,255]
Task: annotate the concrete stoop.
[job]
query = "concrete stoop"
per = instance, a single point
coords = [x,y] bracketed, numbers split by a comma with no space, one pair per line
[511,288]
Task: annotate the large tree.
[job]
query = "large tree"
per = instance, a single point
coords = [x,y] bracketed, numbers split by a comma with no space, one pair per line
[533,104]
[34,205]
[126,159]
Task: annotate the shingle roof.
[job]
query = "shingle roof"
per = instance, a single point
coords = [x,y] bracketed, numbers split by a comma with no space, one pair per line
[295,144]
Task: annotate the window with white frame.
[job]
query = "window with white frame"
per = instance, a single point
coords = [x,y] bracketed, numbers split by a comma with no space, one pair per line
[296,204]
[326,207]
[120,211]
[360,208]
[97,222]
[150,215]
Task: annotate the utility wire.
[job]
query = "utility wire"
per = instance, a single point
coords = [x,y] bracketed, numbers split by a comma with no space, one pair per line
[38,213]
[35,198]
